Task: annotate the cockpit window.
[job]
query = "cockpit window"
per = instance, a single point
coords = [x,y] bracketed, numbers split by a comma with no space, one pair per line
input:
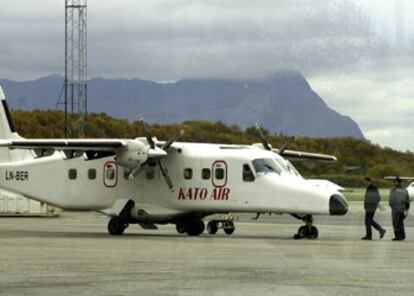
[247,174]
[293,169]
[287,167]
[266,165]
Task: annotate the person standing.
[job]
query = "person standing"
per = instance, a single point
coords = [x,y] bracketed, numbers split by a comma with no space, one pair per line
[371,203]
[400,204]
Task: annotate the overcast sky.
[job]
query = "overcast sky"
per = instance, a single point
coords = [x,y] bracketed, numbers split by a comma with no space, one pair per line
[358,55]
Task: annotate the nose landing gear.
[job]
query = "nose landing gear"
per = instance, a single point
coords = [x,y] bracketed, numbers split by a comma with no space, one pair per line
[308,230]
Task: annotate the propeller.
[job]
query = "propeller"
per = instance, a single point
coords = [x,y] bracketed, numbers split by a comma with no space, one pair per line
[287,144]
[171,141]
[266,144]
[156,153]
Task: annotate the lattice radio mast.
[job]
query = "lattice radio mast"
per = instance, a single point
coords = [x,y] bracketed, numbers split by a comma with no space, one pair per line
[75,85]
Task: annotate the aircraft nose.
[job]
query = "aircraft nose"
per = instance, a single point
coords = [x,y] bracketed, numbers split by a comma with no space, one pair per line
[338,205]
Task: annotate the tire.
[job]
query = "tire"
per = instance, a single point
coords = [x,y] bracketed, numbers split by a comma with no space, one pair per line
[228,227]
[303,232]
[314,233]
[212,227]
[180,227]
[195,228]
[116,226]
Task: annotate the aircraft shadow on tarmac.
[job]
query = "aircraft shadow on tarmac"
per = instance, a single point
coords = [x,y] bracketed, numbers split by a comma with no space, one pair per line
[157,236]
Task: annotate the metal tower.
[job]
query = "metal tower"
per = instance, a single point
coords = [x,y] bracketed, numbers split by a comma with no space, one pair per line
[75,86]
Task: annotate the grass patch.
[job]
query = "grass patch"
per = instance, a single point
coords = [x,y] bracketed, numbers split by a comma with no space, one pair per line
[357,194]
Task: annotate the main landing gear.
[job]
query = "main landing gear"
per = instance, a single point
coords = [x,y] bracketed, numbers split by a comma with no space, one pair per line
[308,230]
[192,228]
[197,227]
[118,224]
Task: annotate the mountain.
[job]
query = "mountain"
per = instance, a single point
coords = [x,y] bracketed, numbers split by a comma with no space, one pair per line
[282,103]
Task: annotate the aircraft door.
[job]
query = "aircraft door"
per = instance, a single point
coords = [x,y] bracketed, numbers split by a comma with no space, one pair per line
[219,173]
[110,174]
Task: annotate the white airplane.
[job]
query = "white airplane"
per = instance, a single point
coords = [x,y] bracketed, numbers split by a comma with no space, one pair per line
[147,182]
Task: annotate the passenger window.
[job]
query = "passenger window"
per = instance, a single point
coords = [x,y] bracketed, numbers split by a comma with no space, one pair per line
[150,174]
[247,173]
[110,174]
[188,174]
[73,173]
[219,173]
[92,174]
[205,174]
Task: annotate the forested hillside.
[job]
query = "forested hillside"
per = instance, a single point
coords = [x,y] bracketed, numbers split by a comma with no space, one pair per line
[355,157]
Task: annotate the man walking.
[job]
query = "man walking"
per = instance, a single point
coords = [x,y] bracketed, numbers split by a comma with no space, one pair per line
[400,204]
[371,203]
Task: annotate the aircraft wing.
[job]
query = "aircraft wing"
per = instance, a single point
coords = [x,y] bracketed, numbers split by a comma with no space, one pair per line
[401,178]
[65,144]
[305,156]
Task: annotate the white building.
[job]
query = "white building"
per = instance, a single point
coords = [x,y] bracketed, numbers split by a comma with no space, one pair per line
[12,204]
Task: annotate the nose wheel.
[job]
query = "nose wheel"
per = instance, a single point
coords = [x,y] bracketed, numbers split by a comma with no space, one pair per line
[308,230]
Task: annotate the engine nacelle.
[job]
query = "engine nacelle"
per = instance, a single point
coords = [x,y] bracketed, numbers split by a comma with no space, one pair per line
[133,155]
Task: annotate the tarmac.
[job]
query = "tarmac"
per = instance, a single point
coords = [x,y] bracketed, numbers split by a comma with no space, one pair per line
[73,255]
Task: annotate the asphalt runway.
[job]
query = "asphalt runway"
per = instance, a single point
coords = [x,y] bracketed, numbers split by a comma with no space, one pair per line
[73,255]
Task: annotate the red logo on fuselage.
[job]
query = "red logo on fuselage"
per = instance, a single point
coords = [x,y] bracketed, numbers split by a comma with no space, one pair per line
[199,193]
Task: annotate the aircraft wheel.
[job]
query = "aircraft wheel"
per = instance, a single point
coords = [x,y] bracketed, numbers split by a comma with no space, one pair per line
[180,227]
[212,227]
[116,226]
[228,227]
[305,232]
[314,233]
[195,228]
[302,232]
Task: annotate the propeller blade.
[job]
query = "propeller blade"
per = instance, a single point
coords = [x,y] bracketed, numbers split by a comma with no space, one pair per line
[166,176]
[287,144]
[156,153]
[135,172]
[171,141]
[146,133]
[262,138]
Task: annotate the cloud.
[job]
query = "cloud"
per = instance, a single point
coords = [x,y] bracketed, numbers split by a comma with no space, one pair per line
[381,102]
[347,48]
[171,40]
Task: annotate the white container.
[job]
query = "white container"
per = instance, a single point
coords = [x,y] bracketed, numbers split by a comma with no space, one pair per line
[15,204]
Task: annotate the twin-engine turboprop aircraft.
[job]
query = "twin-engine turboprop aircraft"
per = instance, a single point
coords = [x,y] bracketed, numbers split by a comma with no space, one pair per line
[145,181]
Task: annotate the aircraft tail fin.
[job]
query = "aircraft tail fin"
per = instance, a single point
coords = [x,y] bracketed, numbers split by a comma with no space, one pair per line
[7,127]
[8,131]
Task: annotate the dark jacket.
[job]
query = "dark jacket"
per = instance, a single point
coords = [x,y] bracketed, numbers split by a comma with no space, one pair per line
[372,198]
[399,199]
